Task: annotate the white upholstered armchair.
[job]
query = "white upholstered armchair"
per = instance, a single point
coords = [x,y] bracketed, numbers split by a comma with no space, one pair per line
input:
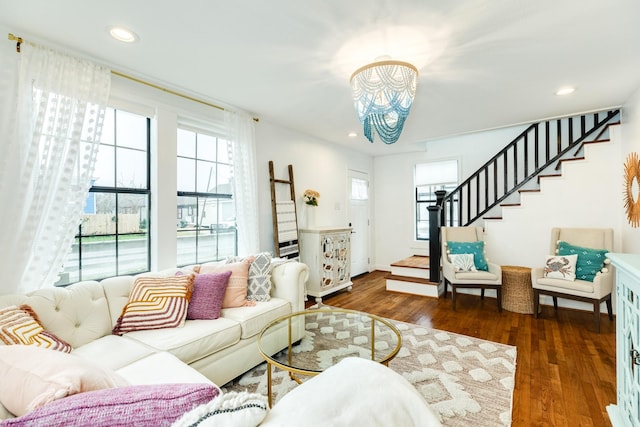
[594,292]
[461,275]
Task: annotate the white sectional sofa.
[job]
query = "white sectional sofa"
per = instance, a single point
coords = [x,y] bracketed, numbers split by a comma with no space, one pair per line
[216,351]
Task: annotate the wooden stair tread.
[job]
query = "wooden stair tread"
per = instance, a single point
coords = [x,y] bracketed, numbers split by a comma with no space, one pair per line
[492,217]
[414,261]
[411,279]
[529,191]
[509,204]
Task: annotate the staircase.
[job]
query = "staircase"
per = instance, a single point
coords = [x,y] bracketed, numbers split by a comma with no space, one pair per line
[536,153]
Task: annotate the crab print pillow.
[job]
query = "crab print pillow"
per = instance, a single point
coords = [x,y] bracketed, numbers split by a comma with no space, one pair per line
[561,267]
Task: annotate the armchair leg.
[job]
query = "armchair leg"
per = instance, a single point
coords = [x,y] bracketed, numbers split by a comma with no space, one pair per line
[536,302]
[499,292]
[555,303]
[445,288]
[453,297]
[482,293]
[609,308]
[596,314]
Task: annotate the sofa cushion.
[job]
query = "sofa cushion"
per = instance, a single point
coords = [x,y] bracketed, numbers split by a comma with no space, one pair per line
[208,294]
[236,293]
[139,405]
[33,376]
[577,285]
[253,319]
[161,368]
[20,325]
[156,303]
[113,351]
[197,339]
[259,282]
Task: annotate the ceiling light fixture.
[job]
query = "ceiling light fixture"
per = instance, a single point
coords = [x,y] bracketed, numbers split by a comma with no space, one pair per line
[383,92]
[566,90]
[123,34]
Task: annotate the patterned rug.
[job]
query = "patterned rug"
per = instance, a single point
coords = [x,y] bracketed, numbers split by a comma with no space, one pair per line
[468,381]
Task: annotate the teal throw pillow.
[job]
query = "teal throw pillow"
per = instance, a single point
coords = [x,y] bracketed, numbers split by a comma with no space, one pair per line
[475,248]
[590,261]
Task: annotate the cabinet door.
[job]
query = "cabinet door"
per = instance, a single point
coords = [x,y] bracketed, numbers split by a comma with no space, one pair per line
[628,340]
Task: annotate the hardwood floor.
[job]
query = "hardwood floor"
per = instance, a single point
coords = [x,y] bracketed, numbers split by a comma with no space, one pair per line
[565,372]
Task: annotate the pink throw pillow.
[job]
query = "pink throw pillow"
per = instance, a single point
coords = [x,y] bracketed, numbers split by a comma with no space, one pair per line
[236,293]
[138,405]
[208,294]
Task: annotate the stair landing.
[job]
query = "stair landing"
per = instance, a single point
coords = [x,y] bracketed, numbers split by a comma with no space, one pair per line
[411,276]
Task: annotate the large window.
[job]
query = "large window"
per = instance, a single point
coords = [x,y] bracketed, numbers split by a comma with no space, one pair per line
[206,219]
[429,178]
[113,238]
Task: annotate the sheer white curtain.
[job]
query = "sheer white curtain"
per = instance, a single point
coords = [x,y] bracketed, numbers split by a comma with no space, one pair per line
[241,131]
[52,111]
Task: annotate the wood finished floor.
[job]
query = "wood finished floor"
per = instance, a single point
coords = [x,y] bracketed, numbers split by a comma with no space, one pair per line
[565,372]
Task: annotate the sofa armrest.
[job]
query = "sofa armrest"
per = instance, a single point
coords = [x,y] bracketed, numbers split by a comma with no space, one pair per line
[288,282]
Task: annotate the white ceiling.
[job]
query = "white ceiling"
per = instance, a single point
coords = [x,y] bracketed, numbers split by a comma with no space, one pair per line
[483,63]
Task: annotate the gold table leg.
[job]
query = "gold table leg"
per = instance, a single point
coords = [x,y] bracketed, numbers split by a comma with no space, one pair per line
[269,383]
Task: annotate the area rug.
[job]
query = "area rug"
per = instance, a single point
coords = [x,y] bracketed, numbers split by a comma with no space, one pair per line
[466,380]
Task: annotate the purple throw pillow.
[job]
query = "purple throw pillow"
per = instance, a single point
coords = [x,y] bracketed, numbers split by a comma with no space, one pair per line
[148,405]
[208,294]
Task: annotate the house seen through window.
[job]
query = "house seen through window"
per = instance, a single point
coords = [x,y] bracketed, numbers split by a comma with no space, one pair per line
[429,178]
[113,237]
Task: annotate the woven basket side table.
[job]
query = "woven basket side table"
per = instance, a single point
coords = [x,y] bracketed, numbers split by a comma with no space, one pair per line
[517,291]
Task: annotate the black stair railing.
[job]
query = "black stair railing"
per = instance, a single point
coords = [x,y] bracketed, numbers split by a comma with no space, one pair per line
[520,161]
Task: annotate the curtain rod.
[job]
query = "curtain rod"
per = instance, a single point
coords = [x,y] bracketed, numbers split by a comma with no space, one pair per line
[20,40]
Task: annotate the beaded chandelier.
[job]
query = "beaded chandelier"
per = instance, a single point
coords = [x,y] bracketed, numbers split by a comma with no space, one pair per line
[383,92]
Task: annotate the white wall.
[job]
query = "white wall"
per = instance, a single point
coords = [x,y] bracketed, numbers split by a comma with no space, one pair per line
[317,165]
[394,198]
[586,195]
[631,138]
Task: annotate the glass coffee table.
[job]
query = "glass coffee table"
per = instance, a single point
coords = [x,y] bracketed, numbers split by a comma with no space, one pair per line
[331,334]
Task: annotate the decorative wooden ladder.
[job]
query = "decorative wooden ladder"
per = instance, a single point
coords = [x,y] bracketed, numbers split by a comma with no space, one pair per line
[285,218]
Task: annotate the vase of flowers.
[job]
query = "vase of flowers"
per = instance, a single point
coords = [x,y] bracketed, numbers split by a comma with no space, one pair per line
[311,197]
[311,201]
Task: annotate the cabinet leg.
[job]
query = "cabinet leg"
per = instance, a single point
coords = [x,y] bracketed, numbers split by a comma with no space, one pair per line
[319,301]
[350,288]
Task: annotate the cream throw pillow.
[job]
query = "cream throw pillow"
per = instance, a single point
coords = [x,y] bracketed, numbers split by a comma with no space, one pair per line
[462,262]
[561,267]
[33,376]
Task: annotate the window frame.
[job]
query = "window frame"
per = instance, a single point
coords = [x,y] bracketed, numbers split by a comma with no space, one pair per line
[203,196]
[118,190]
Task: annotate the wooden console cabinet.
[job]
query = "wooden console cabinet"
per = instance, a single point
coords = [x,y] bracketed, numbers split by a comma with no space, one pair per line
[327,253]
[626,413]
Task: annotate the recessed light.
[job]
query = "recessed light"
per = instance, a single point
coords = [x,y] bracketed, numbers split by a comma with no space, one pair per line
[565,90]
[352,135]
[123,34]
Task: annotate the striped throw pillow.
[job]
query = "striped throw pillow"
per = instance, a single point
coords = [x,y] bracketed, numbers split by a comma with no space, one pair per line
[156,303]
[20,325]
